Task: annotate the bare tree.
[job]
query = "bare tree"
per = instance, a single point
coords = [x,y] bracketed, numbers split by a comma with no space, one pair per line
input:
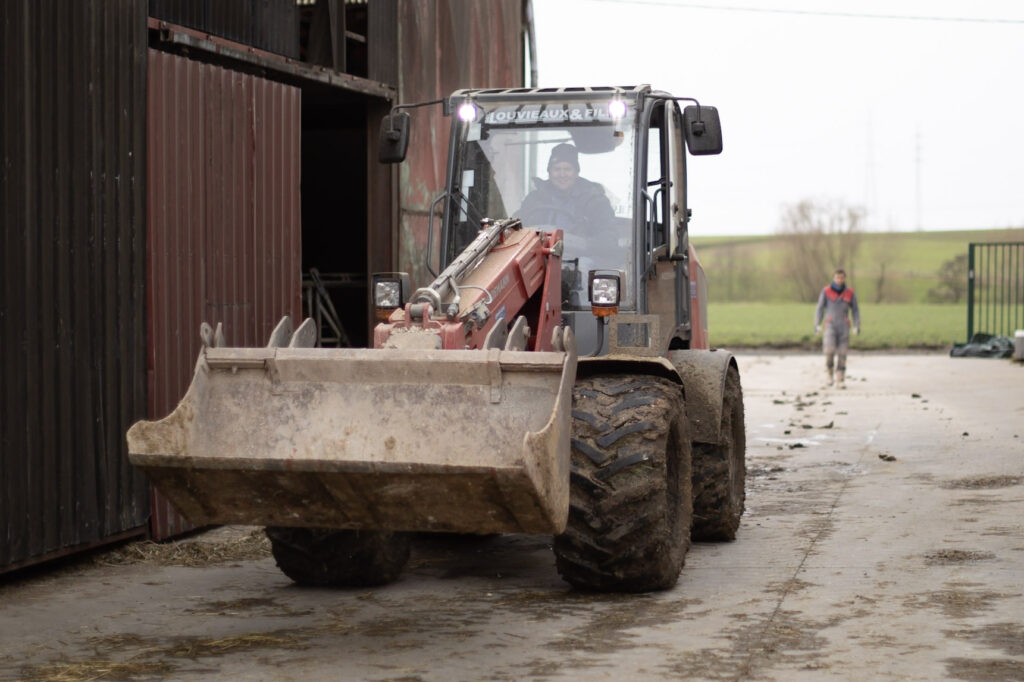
[885,254]
[734,273]
[952,284]
[821,236]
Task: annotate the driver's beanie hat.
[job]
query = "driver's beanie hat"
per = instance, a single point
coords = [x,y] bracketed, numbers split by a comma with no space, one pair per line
[567,153]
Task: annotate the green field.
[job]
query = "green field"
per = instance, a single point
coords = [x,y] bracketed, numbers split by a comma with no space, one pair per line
[888,267]
[791,325]
[754,300]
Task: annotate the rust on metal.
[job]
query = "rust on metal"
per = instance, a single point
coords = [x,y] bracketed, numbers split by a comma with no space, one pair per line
[446,45]
[174,36]
[270,25]
[223,219]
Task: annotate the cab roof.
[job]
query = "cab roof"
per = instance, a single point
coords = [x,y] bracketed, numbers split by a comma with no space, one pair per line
[567,93]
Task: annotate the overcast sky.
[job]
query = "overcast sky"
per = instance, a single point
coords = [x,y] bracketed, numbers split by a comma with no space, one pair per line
[921,121]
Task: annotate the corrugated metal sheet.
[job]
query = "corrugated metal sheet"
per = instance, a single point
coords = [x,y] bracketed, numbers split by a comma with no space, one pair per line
[382,41]
[446,45]
[224,219]
[72,317]
[271,25]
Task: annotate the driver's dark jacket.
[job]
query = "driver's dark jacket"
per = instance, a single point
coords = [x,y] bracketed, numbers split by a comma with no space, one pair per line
[582,205]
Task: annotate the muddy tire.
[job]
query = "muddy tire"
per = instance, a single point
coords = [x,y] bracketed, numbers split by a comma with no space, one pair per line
[629,509]
[719,471]
[340,558]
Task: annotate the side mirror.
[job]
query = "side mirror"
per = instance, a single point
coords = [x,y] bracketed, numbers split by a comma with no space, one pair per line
[703,130]
[394,138]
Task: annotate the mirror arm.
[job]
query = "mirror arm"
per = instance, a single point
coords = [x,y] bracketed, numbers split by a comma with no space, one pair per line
[698,125]
[394,139]
[689,99]
[394,134]
[415,105]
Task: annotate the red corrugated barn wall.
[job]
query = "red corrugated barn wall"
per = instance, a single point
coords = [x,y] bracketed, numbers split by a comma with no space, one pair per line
[445,46]
[224,227]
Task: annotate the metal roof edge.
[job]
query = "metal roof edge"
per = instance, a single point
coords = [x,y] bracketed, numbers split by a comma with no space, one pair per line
[286,68]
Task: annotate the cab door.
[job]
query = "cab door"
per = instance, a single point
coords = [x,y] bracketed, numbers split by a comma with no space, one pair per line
[667,264]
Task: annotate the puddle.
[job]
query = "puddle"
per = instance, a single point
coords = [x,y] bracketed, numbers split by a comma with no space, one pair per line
[983,482]
[958,603]
[985,669]
[768,470]
[1007,637]
[791,442]
[786,640]
[945,557]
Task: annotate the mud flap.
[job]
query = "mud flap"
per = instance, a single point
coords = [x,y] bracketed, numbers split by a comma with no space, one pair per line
[703,373]
[456,441]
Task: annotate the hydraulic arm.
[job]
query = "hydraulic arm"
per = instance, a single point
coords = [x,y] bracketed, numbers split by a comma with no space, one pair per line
[502,291]
[458,424]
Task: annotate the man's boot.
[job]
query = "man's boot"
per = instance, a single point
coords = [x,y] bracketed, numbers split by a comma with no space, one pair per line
[830,379]
[840,376]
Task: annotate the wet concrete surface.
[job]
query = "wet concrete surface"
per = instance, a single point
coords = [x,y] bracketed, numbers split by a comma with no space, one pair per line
[883,539]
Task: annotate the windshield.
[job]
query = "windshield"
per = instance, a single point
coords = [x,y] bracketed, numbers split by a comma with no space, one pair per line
[566,165]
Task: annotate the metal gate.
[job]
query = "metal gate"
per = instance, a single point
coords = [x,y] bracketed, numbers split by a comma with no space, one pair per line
[995,288]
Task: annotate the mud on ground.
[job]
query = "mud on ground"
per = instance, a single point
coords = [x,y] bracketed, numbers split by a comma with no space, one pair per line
[883,539]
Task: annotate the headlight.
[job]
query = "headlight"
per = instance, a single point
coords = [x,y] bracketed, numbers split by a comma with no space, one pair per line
[390,289]
[604,289]
[467,112]
[387,294]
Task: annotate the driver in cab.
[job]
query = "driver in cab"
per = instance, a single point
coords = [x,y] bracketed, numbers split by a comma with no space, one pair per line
[565,200]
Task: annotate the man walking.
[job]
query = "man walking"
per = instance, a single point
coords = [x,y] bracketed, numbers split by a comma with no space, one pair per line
[835,305]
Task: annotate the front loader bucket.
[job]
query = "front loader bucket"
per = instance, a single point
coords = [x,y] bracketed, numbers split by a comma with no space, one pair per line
[447,440]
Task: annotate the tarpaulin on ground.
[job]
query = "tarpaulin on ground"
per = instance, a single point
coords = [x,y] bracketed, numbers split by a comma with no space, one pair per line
[983,346]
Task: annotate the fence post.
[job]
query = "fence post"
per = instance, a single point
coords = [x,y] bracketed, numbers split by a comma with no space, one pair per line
[970,291]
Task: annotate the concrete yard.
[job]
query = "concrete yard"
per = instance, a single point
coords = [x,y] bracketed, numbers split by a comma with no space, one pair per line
[883,539]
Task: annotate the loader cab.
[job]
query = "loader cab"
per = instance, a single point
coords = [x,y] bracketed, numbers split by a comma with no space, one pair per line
[606,166]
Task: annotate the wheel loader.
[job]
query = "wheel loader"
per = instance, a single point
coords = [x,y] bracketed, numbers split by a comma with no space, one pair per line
[555,377]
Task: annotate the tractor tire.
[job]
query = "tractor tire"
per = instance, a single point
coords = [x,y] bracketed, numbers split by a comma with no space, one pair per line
[324,557]
[719,471]
[629,506]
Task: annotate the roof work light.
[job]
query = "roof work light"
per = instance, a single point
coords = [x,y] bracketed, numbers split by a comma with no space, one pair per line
[467,112]
[617,108]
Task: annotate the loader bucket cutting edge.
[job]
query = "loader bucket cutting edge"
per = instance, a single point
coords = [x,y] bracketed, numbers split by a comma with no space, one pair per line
[455,441]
